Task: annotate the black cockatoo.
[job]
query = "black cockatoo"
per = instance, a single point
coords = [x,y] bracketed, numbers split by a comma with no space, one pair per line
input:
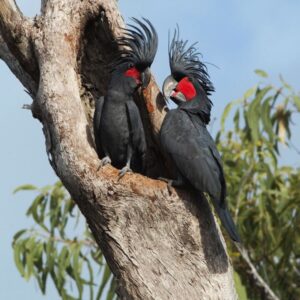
[119,134]
[183,134]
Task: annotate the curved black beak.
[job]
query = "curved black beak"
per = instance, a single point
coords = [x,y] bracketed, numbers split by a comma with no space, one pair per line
[145,77]
[169,90]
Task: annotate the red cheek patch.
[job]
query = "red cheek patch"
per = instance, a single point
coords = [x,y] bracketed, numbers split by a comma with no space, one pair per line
[186,87]
[134,73]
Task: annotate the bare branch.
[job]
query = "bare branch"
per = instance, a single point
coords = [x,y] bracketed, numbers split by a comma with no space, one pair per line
[260,284]
[27,106]
[16,31]
[16,68]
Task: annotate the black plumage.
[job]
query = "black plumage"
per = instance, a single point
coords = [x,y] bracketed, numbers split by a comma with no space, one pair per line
[183,134]
[118,128]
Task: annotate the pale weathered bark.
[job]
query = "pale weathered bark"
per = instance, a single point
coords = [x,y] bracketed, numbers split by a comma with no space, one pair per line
[158,245]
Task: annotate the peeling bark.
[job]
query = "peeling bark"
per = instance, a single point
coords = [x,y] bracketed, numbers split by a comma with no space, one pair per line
[158,245]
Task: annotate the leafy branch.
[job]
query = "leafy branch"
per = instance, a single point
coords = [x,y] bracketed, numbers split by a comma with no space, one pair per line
[59,247]
[264,194]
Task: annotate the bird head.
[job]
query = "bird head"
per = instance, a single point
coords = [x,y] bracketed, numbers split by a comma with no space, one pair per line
[179,91]
[189,76]
[138,48]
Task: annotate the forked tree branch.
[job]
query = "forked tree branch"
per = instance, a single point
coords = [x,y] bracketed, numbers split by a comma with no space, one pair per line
[158,245]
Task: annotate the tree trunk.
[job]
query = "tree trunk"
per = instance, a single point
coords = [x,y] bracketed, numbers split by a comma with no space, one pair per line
[159,245]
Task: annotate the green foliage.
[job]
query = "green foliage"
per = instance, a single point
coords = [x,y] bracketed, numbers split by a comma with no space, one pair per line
[261,73]
[264,196]
[60,248]
[240,288]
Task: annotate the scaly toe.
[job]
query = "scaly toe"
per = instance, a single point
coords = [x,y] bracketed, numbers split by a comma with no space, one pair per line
[105,161]
[123,171]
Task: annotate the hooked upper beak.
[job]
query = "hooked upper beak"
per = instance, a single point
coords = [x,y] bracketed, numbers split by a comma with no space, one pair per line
[145,77]
[169,90]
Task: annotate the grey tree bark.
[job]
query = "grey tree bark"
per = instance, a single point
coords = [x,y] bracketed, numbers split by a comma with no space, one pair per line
[159,245]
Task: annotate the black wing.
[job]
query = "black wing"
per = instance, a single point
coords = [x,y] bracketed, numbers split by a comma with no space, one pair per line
[137,134]
[97,119]
[191,149]
[195,155]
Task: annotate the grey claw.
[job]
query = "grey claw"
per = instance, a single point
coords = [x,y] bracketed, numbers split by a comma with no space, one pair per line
[105,160]
[124,170]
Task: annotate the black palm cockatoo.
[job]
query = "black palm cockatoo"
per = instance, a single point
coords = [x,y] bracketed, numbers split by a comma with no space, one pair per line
[119,134]
[183,134]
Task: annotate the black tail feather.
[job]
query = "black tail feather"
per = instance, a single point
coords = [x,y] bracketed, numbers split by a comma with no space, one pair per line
[228,223]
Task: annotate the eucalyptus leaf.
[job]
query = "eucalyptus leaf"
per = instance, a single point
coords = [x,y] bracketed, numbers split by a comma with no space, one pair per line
[297,102]
[25,187]
[261,73]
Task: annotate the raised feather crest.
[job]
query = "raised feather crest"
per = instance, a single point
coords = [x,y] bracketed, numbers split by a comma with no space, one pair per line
[138,44]
[184,61]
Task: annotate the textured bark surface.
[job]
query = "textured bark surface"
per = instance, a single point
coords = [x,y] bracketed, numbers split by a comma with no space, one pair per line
[158,245]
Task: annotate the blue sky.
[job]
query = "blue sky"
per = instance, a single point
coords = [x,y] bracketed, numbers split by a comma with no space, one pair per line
[237,36]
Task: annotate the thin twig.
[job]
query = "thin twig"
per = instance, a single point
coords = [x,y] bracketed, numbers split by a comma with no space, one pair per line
[259,282]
